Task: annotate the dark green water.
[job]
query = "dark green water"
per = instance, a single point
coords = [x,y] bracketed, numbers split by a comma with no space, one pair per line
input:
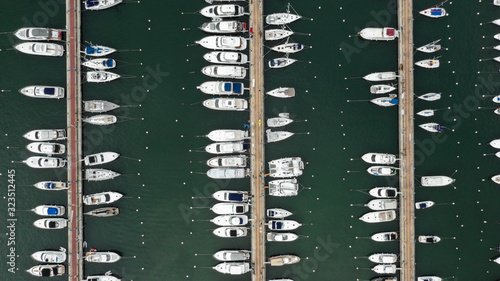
[155,225]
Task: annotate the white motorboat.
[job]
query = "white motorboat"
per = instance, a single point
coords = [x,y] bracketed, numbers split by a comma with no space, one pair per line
[282,18]
[497,47]
[385,269]
[379,216]
[383,258]
[232,255]
[288,48]
[382,171]
[43,162]
[286,167]
[50,210]
[100,174]
[47,270]
[283,119]
[428,239]
[46,148]
[225,71]
[43,92]
[226,147]
[231,26]
[497,36]
[381,76]
[230,208]
[282,92]
[231,161]
[38,34]
[385,236]
[100,120]
[284,187]
[230,220]
[98,51]
[232,43]
[101,76]
[50,256]
[423,205]
[432,127]
[391,100]
[379,33]
[231,196]
[429,278]
[222,57]
[281,237]
[382,204]
[434,12]
[104,212]
[384,192]
[436,180]
[431,47]
[278,213]
[497,111]
[95,5]
[41,49]
[101,278]
[379,158]
[230,232]
[496,179]
[429,63]
[100,158]
[496,2]
[233,268]
[228,173]
[51,185]
[381,89]
[100,63]
[283,260]
[102,257]
[45,135]
[222,11]
[277,34]
[222,88]
[283,225]
[102,198]
[51,223]
[99,106]
[426,112]
[277,135]
[281,62]
[495,143]
[226,104]
[228,135]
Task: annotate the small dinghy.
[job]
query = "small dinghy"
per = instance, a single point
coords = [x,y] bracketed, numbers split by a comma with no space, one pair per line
[46,148]
[434,12]
[495,143]
[233,268]
[226,147]
[228,173]
[226,104]
[45,135]
[282,18]
[432,127]
[429,63]
[230,232]
[423,205]
[288,48]
[381,89]
[104,212]
[105,277]
[47,270]
[379,33]
[282,92]
[100,158]
[99,106]
[51,223]
[216,26]
[496,179]
[43,92]
[379,158]
[95,5]
[100,64]
[283,260]
[51,185]
[436,180]
[101,76]
[429,278]
[283,225]
[102,198]
[226,57]
[225,71]
[230,43]
[426,112]
[231,196]
[382,171]
[41,49]
[391,100]
[230,208]
[50,256]
[38,34]
[231,161]
[100,120]
[222,11]
[42,162]
[382,204]
[277,135]
[283,119]
[277,34]
[385,236]
[428,239]
[281,62]
[431,47]
[284,187]
[102,257]
[230,220]
[50,210]
[384,192]
[100,174]
[381,76]
[383,258]
[232,255]
[278,213]
[380,216]
[98,51]
[222,88]
[385,269]
[281,237]
[430,96]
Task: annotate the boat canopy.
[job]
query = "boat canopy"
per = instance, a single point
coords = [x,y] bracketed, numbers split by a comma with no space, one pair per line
[52,212]
[92,3]
[109,63]
[437,11]
[236,197]
[49,91]
[394,101]
[43,32]
[237,87]
[390,31]
[50,185]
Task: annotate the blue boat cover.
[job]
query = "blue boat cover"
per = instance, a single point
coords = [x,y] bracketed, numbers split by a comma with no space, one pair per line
[436,12]
[272,62]
[52,211]
[237,88]
[90,50]
[50,185]
[235,197]
[394,101]
[422,205]
[246,146]
[227,86]
[92,3]
[49,91]
[109,63]
[439,128]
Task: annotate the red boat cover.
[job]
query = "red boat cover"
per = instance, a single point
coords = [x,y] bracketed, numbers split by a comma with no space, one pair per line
[390,31]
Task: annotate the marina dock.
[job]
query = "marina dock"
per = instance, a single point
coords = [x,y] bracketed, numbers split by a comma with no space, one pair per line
[257,121]
[406,141]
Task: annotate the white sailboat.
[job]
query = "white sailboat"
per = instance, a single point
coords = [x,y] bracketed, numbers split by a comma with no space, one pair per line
[100,174]
[282,92]
[381,89]
[281,62]
[100,158]
[283,119]
[430,96]
[426,112]
[282,18]
[495,143]
[434,12]
[277,135]
[99,106]
[51,185]
[277,34]
[101,76]
[381,76]
[431,47]
[98,51]
[100,120]
[391,100]
[100,63]
[429,278]
[288,48]
[436,180]
[96,5]
[432,127]
[428,63]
